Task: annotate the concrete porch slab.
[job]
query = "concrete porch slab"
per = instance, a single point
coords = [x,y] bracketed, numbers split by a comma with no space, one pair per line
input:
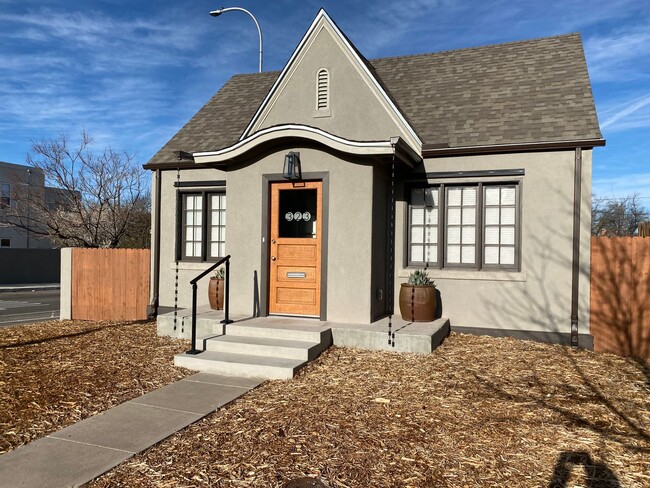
[128,427]
[53,463]
[416,337]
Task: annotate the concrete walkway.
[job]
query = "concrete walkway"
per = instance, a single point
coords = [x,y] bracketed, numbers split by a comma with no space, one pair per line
[87,449]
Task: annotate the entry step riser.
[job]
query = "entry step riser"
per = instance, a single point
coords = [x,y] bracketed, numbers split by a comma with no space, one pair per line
[306,354]
[324,336]
[235,369]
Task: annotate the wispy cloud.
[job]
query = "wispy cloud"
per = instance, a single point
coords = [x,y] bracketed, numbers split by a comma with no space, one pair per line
[628,115]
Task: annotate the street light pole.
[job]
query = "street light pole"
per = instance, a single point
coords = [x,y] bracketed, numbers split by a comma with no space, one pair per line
[218,12]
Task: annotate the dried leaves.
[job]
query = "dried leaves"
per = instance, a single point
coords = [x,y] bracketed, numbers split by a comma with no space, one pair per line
[479,411]
[56,373]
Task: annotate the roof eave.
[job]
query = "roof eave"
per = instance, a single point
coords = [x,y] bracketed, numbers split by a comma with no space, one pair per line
[434,150]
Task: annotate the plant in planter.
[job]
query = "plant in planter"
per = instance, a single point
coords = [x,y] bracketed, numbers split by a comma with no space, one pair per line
[216,289]
[417,298]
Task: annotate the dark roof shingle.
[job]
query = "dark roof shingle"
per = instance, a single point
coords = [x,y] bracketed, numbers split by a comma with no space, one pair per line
[519,92]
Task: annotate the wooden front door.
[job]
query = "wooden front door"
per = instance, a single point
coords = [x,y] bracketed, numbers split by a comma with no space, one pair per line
[295,248]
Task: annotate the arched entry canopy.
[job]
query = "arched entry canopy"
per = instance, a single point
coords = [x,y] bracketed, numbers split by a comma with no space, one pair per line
[301,134]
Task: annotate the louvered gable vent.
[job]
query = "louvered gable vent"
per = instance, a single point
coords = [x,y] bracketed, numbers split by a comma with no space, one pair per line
[323,89]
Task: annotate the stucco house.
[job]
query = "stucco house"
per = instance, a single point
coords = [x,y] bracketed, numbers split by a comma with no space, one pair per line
[474,163]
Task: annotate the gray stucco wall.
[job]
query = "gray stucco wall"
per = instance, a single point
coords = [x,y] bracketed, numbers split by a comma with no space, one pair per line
[539,296]
[348,246]
[357,111]
[536,298]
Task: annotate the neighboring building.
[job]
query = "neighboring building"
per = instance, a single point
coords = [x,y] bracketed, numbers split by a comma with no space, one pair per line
[488,151]
[19,184]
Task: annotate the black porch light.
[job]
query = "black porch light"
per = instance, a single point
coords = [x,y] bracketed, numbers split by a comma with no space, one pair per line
[291,169]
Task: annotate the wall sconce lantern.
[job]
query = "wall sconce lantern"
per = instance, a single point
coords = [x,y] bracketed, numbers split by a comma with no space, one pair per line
[291,169]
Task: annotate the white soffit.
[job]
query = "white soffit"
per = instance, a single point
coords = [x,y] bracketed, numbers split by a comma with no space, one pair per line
[323,19]
[294,130]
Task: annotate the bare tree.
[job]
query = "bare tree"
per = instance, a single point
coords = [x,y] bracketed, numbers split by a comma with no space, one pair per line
[94,199]
[617,216]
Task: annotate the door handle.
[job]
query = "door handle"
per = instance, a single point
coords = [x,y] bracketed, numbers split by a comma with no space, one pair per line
[272,258]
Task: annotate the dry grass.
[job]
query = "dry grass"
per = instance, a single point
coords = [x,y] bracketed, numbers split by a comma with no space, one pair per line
[54,374]
[479,411]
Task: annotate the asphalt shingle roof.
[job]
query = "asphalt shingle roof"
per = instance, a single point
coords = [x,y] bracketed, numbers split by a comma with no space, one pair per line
[520,92]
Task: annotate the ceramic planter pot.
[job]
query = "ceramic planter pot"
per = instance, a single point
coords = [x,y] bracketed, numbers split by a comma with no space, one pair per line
[215,293]
[417,303]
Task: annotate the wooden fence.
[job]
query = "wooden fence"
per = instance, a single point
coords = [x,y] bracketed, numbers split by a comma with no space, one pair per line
[109,284]
[620,295]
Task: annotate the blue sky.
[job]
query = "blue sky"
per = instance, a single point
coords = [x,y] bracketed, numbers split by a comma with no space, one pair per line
[132,73]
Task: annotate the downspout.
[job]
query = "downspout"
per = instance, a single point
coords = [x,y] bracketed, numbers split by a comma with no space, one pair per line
[153,306]
[575,279]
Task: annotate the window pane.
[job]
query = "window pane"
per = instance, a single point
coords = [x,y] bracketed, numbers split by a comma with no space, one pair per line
[453,254]
[417,216]
[507,255]
[188,249]
[214,250]
[492,216]
[453,235]
[491,255]
[431,235]
[469,196]
[469,235]
[453,197]
[432,216]
[469,215]
[432,254]
[492,196]
[417,235]
[189,202]
[222,249]
[508,235]
[222,217]
[453,216]
[417,254]
[508,216]
[431,197]
[508,194]
[492,235]
[468,254]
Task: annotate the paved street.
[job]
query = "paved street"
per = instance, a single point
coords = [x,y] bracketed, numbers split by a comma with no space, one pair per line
[26,307]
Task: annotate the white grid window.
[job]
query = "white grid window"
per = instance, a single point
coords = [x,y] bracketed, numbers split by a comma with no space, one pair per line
[461,225]
[464,226]
[500,225]
[423,232]
[217,244]
[203,226]
[192,225]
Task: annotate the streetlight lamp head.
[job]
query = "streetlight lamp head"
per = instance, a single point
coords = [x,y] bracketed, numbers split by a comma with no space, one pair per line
[216,13]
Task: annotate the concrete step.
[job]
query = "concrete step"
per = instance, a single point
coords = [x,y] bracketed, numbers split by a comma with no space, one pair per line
[286,330]
[244,365]
[265,346]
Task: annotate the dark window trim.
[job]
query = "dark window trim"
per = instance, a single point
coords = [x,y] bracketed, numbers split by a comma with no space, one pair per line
[479,239]
[180,229]
[7,240]
[197,184]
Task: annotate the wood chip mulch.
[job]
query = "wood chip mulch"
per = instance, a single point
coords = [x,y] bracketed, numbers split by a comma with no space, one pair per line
[479,411]
[53,374]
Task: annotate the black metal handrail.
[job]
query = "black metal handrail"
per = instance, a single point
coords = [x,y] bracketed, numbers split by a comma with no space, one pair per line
[226,302]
